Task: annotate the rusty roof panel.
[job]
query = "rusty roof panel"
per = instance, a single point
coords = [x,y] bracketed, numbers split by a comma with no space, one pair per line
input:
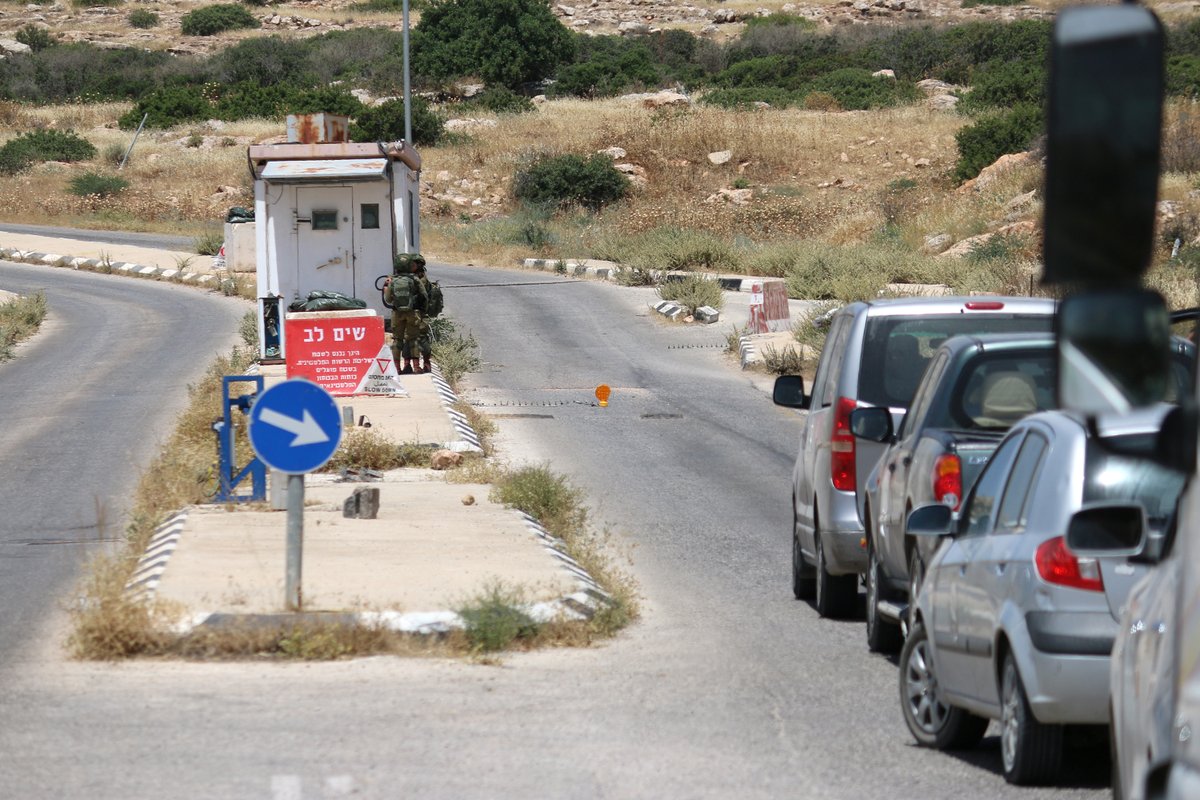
[311,170]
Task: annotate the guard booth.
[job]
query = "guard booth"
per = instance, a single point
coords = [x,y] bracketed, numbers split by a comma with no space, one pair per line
[330,214]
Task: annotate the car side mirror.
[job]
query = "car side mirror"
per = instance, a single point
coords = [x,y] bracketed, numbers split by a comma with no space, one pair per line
[1109,529]
[873,424]
[1114,351]
[931,520]
[789,392]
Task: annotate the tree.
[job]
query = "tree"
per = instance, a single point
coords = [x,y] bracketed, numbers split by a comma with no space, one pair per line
[508,42]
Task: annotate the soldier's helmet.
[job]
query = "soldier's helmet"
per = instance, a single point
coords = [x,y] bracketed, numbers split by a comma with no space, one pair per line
[407,262]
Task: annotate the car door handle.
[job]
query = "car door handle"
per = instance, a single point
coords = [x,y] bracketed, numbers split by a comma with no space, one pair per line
[907,460]
[892,467]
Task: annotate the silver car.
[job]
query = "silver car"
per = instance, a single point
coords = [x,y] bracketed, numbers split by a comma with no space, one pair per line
[1012,625]
[874,355]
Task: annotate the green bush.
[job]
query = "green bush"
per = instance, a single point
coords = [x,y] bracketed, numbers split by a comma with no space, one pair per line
[207,20]
[167,107]
[142,18]
[71,73]
[13,161]
[570,179]
[500,100]
[96,3]
[93,184]
[385,123]
[45,145]
[858,89]
[780,19]
[36,38]
[264,60]
[506,42]
[749,97]
[692,292]
[992,136]
[1005,84]
[494,619]
[1183,76]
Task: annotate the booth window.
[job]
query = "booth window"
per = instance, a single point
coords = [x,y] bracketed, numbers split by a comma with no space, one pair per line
[369,215]
[325,220]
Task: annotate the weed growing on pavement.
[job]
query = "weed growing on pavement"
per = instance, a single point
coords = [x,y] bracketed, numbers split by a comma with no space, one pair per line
[692,292]
[365,448]
[456,355]
[493,618]
[481,423]
[733,339]
[209,244]
[811,328]
[19,319]
[782,361]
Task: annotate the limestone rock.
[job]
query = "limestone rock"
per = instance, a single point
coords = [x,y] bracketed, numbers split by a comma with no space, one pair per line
[936,243]
[997,168]
[884,73]
[13,46]
[942,102]
[615,153]
[720,157]
[445,459]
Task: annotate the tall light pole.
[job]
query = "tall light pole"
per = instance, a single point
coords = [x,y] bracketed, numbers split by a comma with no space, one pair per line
[407,84]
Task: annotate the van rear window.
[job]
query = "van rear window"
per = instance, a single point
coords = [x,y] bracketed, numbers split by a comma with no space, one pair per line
[897,349]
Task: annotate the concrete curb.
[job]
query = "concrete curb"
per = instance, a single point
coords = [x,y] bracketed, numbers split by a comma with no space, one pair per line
[748,353]
[579,605]
[469,443]
[609,272]
[107,267]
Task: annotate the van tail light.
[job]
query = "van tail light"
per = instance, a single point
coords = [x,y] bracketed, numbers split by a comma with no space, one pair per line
[841,462]
[947,480]
[984,305]
[1058,565]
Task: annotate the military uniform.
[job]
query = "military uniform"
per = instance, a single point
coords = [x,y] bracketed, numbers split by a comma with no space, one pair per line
[410,332]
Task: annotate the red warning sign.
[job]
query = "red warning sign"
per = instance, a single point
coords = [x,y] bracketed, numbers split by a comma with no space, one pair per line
[344,355]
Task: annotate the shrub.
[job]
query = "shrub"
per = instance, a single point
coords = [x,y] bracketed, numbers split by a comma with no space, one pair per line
[265,60]
[168,106]
[52,145]
[385,123]
[35,37]
[607,65]
[142,18]
[209,244]
[113,153]
[692,292]
[500,100]
[507,42]
[95,3]
[750,97]
[821,101]
[1004,85]
[858,89]
[456,355]
[993,136]
[13,161]
[1183,76]
[494,619]
[570,179]
[92,184]
[779,19]
[782,361]
[207,20]
[69,73]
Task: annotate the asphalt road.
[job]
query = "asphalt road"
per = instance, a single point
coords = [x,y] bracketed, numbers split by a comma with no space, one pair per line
[728,687]
[82,410]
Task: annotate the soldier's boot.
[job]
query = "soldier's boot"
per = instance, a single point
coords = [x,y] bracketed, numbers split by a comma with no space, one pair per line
[424,362]
[407,368]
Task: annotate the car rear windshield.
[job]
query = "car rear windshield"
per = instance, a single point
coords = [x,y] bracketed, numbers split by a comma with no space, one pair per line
[1115,478]
[897,349]
[994,391]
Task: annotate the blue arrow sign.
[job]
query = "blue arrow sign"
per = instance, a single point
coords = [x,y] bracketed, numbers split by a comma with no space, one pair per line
[295,426]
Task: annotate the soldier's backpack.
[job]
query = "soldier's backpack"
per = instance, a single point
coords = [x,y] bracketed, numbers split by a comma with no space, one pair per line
[435,303]
[404,293]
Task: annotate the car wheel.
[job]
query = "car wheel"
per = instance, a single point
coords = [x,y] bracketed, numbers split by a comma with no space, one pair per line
[836,594]
[916,576]
[883,636]
[931,721]
[1031,751]
[803,580]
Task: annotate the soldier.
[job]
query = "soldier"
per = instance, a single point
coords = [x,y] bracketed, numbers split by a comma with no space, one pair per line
[429,309]
[407,295]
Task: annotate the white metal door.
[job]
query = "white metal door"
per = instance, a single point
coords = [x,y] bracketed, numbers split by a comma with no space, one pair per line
[325,239]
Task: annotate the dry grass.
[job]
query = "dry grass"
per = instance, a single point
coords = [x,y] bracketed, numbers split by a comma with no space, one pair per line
[20,318]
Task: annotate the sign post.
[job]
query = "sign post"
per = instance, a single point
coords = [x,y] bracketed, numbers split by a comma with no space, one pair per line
[295,427]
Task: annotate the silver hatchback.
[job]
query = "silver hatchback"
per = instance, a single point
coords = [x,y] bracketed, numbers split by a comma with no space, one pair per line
[1009,623]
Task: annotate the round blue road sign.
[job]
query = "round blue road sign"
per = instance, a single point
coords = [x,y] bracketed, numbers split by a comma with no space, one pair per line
[295,426]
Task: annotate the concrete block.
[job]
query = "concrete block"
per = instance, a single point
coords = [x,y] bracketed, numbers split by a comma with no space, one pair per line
[363,504]
[147,270]
[670,310]
[707,315]
[168,273]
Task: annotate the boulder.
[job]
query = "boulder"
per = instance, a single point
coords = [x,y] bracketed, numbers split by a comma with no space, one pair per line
[942,102]
[13,46]
[633,29]
[720,157]
[445,459]
[615,153]
[936,243]
[990,173]
[884,73]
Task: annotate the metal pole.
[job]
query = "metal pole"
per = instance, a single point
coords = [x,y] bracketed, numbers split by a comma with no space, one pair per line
[407,84]
[295,541]
[138,133]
